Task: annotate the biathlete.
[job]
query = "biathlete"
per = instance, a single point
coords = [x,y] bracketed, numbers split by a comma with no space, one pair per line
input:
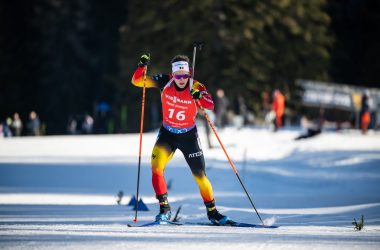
[178,131]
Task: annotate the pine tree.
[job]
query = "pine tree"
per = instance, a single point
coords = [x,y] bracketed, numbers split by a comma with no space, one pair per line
[79,56]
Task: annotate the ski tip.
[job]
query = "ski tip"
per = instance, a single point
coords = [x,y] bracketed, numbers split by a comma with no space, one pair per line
[268,226]
[239,224]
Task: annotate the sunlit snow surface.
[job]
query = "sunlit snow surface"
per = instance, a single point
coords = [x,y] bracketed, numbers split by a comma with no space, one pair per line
[60,192]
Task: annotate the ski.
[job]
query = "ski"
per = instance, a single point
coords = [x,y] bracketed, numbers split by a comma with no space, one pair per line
[229,224]
[157,223]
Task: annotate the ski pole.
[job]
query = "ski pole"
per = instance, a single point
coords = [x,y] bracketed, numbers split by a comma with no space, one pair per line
[140,147]
[199,45]
[228,157]
[196,45]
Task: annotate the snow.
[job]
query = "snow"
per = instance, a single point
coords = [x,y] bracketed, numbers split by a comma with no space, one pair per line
[60,192]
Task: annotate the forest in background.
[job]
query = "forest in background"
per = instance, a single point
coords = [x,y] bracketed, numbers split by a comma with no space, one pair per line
[64,59]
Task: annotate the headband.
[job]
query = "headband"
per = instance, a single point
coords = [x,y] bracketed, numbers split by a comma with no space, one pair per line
[181,65]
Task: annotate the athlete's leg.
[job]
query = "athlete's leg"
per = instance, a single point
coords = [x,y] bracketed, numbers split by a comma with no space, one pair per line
[193,153]
[161,154]
[191,149]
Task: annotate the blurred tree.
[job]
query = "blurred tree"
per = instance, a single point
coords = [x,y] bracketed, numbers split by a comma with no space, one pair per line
[250,45]
[66,61]
[18,59]
[60,57]
[165,29]
[79,59]
[34,75]
[356,54]
[272,43]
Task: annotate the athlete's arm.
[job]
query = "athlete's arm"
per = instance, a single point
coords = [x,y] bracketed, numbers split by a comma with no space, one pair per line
[138,79]
[206,99]
[157,81]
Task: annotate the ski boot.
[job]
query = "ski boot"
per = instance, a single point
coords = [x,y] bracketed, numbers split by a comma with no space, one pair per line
[165,212]
[214,216]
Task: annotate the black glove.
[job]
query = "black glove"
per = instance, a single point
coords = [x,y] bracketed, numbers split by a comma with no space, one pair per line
[196,94]
[144,60]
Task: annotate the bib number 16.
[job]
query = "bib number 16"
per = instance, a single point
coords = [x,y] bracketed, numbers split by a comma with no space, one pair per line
[180,115]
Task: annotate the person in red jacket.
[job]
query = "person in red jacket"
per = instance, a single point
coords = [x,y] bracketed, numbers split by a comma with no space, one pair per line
[178,131]
[278,108]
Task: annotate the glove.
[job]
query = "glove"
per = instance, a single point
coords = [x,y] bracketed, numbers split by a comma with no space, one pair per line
[196,94]
[144,60]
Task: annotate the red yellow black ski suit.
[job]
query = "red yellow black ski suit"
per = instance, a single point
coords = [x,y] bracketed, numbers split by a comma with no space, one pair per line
[178,130]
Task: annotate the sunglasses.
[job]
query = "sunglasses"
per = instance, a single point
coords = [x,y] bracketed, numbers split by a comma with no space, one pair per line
[178,77]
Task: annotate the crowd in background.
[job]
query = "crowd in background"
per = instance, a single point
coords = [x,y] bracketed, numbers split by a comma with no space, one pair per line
[15,127]
[227,112]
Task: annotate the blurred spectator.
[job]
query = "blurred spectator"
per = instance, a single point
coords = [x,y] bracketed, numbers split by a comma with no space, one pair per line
[221,104]
[17,125]
[240,110]
[33,124]
[207,127]
[265,102]
[372,110]
[365,117]
[377,122]
[87,124]
[278,108]
[72,126]
[102,115]
[1,131]
[7,132]
[313,127]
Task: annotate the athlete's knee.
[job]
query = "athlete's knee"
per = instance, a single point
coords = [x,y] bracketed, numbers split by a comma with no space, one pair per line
[198,172]
[201,178]
[197,166]
[161,154]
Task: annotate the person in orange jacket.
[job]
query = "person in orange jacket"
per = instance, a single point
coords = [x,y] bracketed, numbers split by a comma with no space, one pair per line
[180,102]
[365,117]
[278,107]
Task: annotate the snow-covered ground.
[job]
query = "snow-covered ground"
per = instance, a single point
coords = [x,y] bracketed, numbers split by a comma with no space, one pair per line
[60,192]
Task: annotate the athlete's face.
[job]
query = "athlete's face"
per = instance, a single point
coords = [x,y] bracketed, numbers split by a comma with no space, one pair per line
[180,78]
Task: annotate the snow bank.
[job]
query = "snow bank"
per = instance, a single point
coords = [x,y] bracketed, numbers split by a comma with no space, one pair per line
[259,144]
[59,192]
